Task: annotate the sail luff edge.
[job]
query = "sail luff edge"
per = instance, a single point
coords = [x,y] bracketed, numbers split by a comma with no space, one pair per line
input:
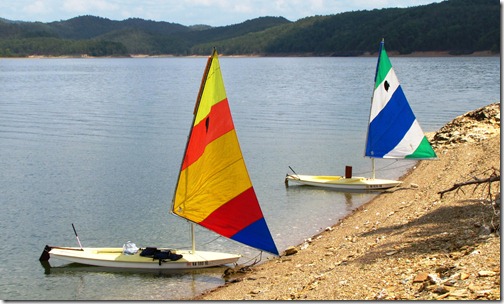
[195,112]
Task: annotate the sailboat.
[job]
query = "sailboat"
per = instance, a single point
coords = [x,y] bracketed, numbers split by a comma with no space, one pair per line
[393,133]
[213,190]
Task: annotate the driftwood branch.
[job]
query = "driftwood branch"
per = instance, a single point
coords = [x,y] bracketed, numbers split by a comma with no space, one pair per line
[476,181]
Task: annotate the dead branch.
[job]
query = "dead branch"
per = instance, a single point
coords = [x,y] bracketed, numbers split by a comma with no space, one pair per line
[476,181]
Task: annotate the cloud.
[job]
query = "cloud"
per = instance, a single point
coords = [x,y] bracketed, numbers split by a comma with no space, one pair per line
[37,7]
[84,7]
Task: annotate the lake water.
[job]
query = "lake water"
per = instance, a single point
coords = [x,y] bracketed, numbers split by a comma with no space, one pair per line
[98,143]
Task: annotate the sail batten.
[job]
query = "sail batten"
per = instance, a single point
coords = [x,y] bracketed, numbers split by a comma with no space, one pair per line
[393,130]
[214,189]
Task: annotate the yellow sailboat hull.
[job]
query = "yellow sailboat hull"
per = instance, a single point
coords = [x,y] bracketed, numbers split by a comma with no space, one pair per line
[114,257]
[341,182]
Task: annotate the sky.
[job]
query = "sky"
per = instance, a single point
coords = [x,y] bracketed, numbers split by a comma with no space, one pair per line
[189,12]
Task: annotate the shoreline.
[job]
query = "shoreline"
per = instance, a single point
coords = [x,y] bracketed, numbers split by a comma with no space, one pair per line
[307,55]
[404,244]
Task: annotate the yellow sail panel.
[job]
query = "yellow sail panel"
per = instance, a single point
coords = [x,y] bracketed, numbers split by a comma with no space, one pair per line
[213,92]
[217,177]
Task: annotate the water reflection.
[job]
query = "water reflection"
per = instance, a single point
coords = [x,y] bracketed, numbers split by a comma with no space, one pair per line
[76,267]
[352,198]
[84,277]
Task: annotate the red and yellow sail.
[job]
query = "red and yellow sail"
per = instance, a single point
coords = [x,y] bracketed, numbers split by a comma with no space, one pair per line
[214,189]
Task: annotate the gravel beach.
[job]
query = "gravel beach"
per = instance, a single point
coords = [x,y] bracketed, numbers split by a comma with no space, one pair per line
[410,243]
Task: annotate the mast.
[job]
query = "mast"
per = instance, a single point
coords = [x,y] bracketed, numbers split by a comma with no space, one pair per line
[193,239]
[373,175]
[195,112]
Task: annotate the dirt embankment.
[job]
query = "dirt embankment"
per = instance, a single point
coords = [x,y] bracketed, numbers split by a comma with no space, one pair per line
[406,244]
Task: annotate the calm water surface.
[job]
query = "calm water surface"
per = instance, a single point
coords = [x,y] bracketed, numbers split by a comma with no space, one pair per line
[98,143]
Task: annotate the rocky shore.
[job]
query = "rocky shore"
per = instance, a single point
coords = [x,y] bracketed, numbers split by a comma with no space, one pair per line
[436,237]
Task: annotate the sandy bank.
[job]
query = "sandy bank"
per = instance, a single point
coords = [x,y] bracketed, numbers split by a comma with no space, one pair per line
[407,244]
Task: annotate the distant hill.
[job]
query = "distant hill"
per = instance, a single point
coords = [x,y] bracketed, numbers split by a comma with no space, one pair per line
[458,26]
[455,26]
[88,27]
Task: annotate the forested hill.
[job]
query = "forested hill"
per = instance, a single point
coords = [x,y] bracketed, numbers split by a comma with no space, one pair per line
[454,26]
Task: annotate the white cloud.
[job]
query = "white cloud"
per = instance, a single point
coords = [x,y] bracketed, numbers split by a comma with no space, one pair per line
[79,6]
[37,7]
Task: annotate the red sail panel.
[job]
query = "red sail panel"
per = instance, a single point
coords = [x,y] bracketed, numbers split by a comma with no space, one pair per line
[239,213]
[203,134]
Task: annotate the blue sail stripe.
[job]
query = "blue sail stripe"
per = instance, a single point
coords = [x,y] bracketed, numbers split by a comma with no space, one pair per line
[257,235]
[390,125]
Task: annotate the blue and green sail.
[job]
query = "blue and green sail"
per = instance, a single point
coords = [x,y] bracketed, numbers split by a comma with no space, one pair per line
[393,131]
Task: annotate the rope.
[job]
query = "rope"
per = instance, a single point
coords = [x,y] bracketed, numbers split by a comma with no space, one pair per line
[218,237]
[259,255]
[188,247]
[384,167]
[257,258]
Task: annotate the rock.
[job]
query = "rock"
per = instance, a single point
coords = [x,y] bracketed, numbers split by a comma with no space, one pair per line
[443,296]
[229,271]
[421,277]
[464,276]
[472,288]
[291,250]
[381,295]
[443,269]
[433,278]
[459,293]
[486,273]
[473,126]
[441,290]
[483,293]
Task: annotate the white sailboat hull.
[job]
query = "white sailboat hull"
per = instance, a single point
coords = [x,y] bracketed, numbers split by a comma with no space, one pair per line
[342,183]
[114,257]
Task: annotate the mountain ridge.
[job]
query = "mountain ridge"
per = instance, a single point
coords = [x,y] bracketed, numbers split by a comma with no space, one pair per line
[451,26]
